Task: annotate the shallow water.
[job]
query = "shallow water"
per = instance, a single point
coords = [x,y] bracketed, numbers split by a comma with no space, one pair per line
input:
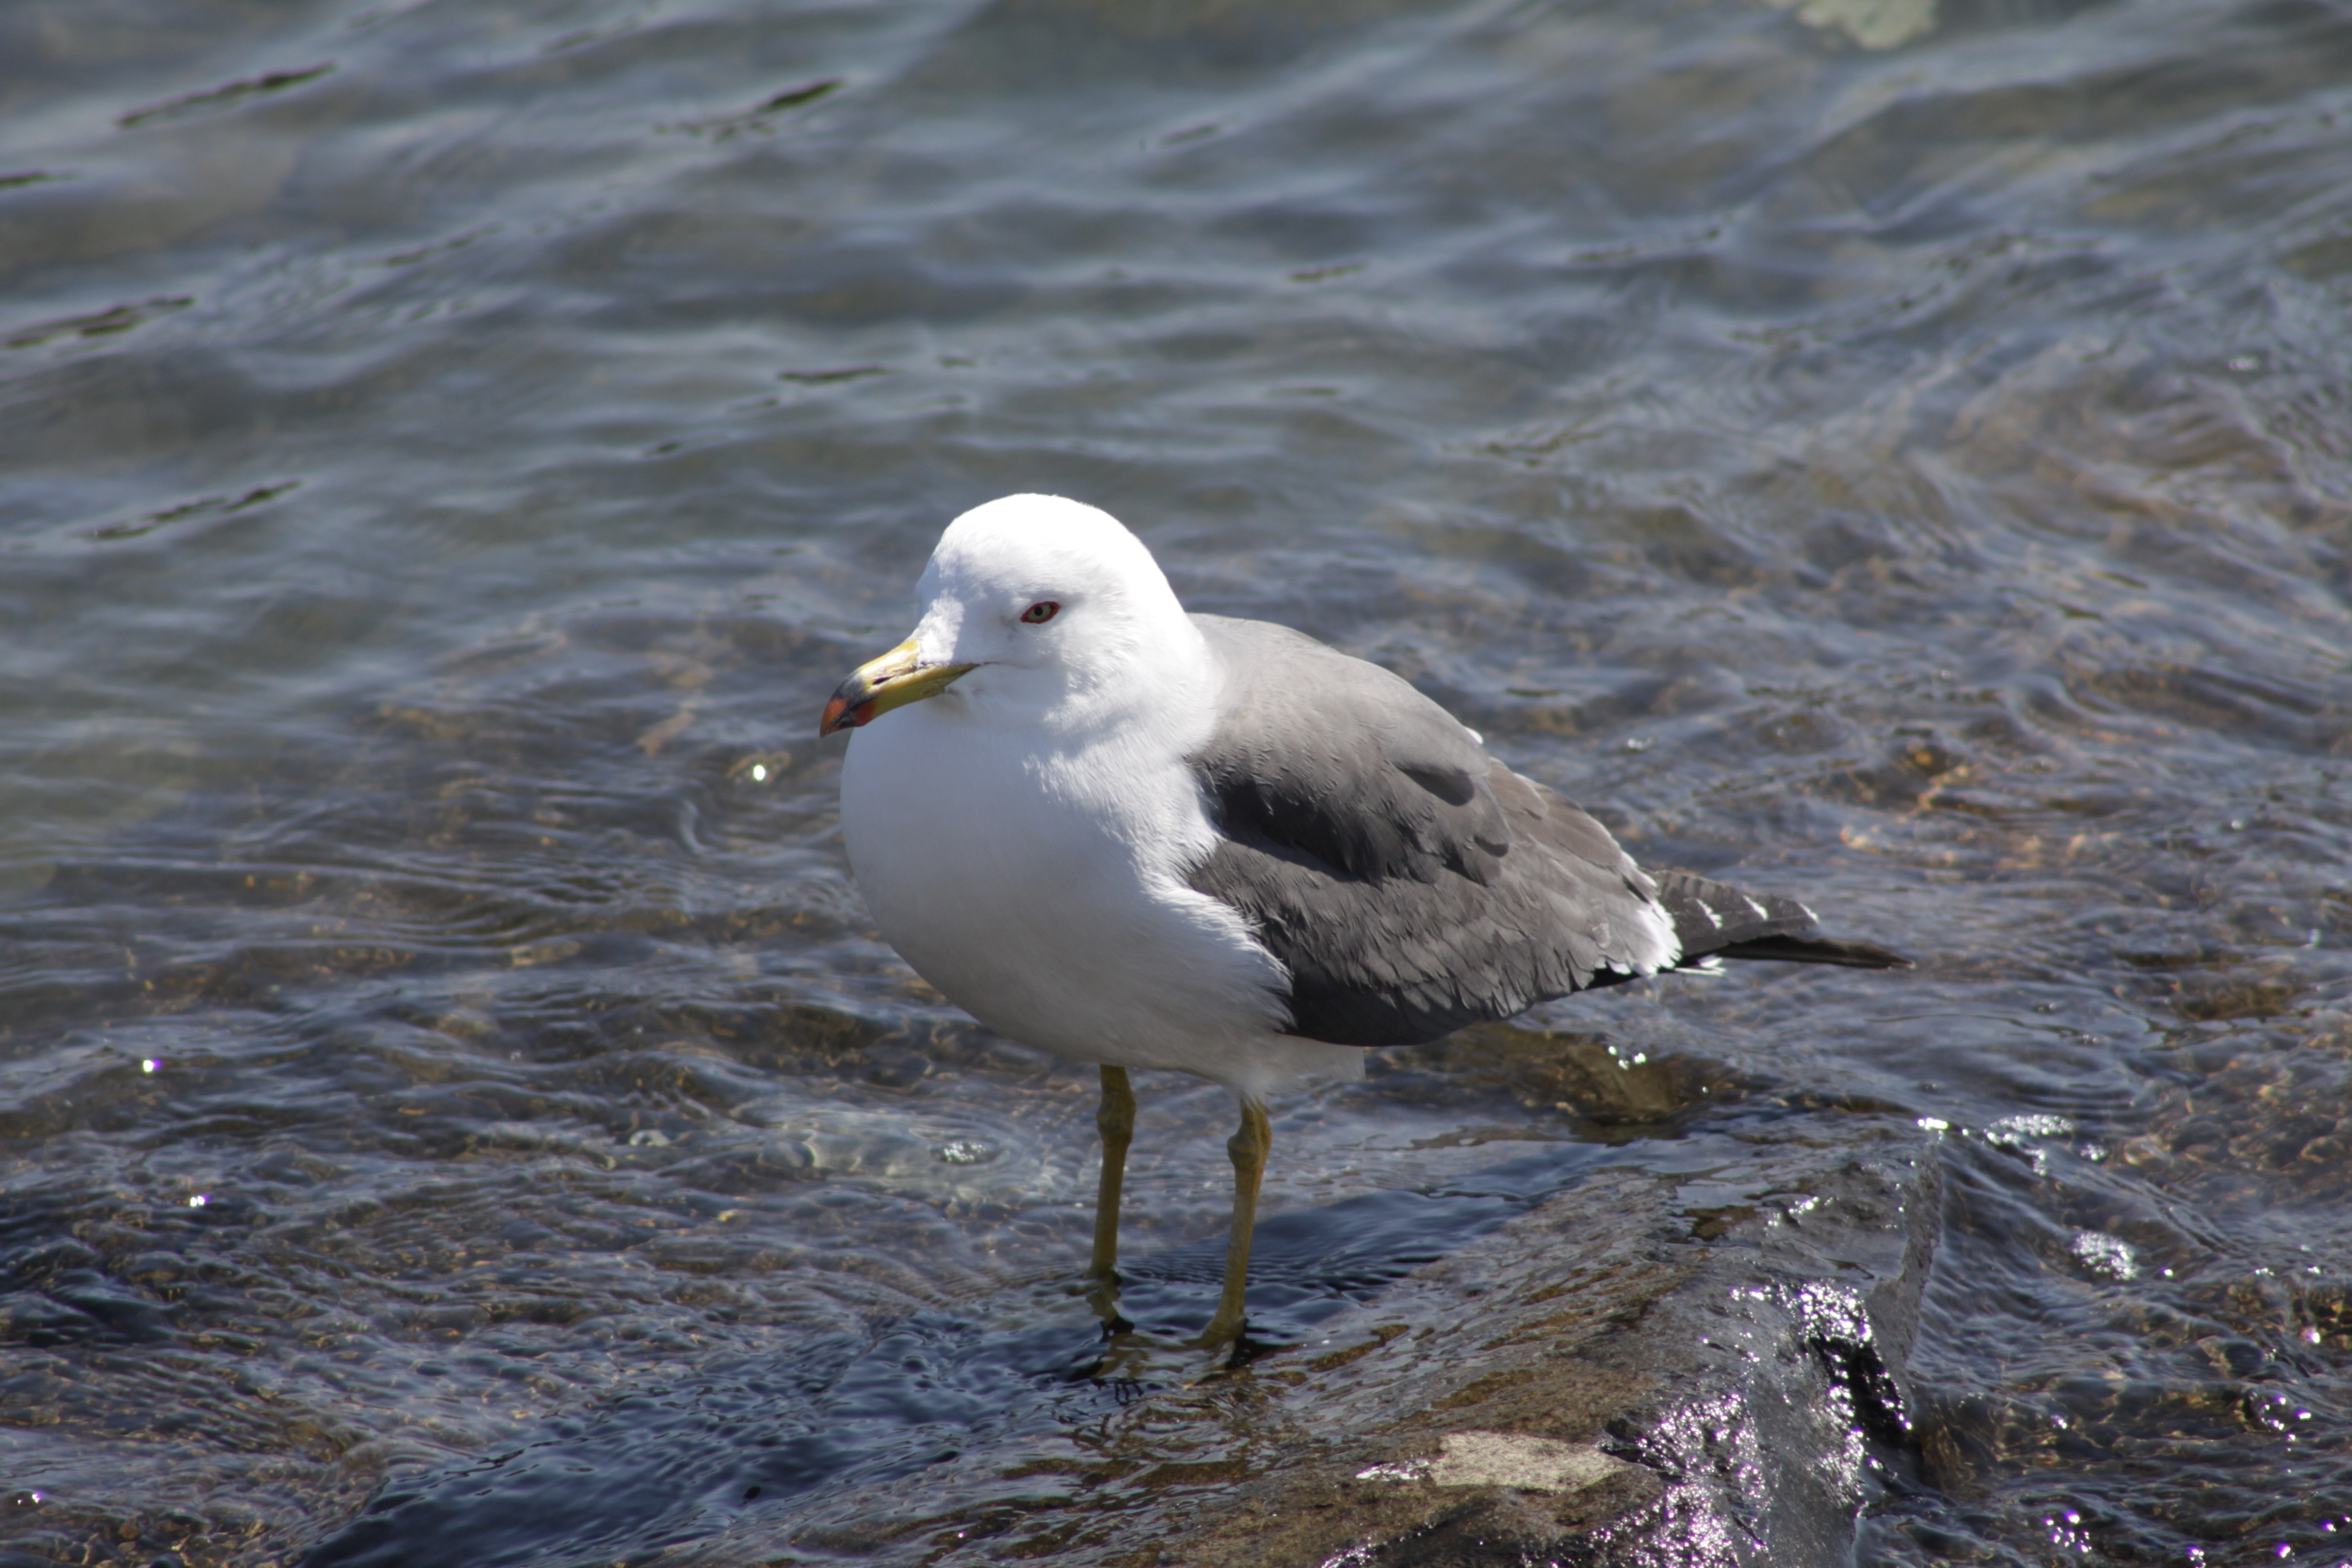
[1894,451]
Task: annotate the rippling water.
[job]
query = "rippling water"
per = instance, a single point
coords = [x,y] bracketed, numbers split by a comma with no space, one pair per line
[1896,451]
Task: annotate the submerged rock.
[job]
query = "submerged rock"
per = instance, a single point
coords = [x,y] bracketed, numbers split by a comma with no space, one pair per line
[1592,1384]
[1647,1367]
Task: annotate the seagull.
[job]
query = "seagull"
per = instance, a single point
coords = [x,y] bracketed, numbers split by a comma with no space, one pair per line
[1149,839]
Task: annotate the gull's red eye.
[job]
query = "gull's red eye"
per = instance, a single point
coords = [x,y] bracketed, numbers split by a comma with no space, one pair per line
[1038,614]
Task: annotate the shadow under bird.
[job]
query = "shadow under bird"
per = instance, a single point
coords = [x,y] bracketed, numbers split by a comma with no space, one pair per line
[1149,839]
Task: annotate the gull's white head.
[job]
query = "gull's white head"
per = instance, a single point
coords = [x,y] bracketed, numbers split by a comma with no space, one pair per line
[1033,604]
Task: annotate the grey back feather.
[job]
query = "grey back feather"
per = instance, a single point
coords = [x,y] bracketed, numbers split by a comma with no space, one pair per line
[1409,882]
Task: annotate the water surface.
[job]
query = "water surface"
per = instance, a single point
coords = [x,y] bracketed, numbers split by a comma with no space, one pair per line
[1891,451]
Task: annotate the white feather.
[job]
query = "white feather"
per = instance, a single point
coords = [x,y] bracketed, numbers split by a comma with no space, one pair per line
[1021,838]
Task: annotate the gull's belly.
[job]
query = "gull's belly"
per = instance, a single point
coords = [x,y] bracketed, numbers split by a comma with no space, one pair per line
[1052,911]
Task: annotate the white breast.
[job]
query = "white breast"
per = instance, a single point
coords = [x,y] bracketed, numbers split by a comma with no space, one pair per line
[1039,886]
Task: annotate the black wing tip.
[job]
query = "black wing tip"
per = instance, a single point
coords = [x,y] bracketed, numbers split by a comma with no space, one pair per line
[1815,950]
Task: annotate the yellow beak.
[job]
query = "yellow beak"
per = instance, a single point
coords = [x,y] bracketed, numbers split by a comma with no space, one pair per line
[896,679]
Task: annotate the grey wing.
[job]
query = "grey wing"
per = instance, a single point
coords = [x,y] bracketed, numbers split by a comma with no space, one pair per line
[1715,920]
[1409,882]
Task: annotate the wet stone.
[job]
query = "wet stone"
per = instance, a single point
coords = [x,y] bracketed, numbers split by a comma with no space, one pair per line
[1586,1384]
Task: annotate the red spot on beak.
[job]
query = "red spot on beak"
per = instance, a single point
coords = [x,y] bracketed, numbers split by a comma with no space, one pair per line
[840,714]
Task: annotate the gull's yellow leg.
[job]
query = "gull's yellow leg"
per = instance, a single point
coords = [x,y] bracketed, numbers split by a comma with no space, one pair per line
[1115,1119]
[1248,1147]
